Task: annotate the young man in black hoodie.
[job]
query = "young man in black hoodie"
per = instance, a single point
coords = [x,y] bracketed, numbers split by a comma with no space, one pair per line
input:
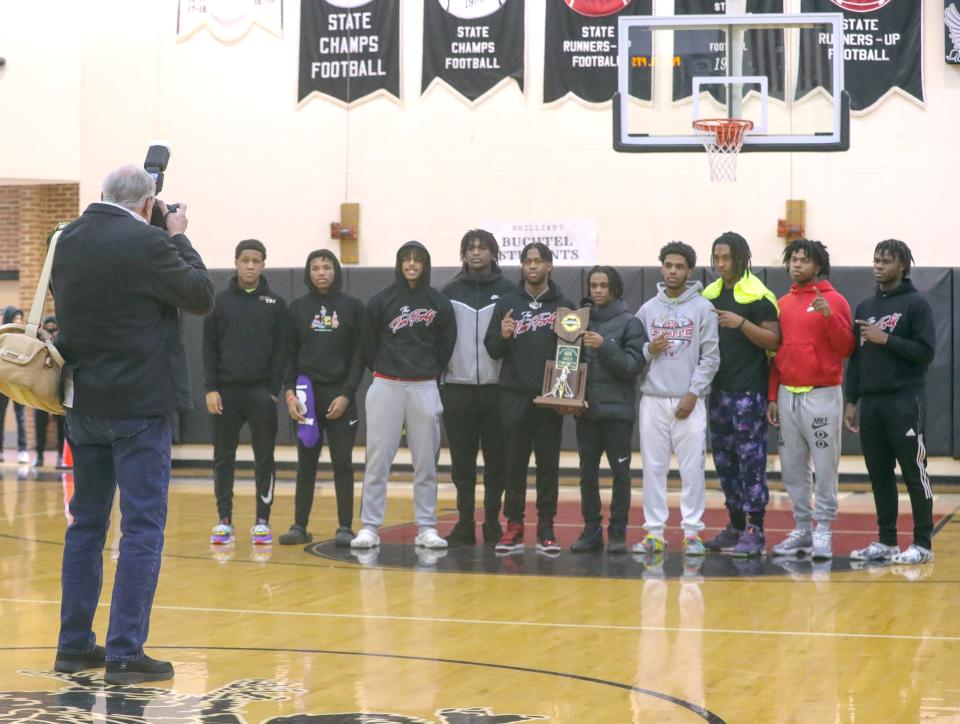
[613,351]
[324,344]
[470,391]
[886,376]
[243,355]
[409,335]
[521,334]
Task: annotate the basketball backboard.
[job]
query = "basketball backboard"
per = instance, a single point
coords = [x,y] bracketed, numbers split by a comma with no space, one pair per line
[784,73]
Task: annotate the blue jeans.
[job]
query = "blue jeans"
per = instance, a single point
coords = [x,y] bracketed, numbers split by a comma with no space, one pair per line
[134,455]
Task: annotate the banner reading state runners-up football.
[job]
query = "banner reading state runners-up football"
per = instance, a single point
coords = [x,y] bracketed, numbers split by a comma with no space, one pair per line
[699,52]
[580,54]
[349,49]
[883,50]
[472,45]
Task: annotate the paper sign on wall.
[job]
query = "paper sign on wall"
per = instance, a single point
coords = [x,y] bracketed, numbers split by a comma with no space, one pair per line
[572,241]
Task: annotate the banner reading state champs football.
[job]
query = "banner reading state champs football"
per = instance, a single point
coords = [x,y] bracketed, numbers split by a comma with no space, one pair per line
[882,50]
[472,45]
[349,49]
[580,54]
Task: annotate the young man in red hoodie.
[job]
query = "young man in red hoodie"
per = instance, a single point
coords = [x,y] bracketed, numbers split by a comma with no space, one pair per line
[806,400]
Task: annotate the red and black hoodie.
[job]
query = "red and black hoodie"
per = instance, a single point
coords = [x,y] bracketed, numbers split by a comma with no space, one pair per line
[409,333]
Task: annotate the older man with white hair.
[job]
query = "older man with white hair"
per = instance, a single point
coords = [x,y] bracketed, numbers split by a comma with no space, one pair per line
[119,285]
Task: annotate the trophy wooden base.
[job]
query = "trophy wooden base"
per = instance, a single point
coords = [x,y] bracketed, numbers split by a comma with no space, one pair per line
[566,405]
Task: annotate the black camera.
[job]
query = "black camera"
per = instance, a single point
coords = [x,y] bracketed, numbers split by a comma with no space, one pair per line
[158,156]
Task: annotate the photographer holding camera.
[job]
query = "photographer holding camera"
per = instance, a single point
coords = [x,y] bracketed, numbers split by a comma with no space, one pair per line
[119,285]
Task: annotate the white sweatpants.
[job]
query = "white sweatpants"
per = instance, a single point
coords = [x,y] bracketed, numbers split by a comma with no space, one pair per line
[389,405]
[662,434]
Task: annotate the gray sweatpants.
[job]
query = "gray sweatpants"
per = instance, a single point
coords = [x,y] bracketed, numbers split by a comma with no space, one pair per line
[389,405]
[810,451]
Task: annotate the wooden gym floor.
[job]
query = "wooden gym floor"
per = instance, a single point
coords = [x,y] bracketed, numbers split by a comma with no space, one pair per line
[316,634]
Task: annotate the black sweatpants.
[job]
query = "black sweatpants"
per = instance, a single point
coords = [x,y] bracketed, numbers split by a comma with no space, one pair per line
[594,438]
[41,419]
[527,428]
[471,415]
[255,407]
[891,431]
[340,436]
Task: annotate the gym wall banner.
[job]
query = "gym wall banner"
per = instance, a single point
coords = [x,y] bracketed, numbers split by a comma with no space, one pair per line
[572,241]
[704,52]
[228,20]
[951,31]
[473,45]
[580,52]
[883,51]
[349,49]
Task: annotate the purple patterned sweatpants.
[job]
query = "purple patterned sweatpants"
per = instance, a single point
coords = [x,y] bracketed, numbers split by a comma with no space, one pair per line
[738,435]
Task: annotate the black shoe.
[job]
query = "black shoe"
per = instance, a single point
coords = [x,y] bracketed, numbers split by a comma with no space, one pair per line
[133,672]
[464,533]
[95,658]
[616,539]
[296,535]
[590,540]
[546,539]
[492,531]
[343,536]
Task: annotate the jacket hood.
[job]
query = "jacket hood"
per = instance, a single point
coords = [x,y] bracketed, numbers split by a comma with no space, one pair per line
[337,271]
[607,311]
[425,278]
[262,285]
[693,289]
[903,287]
[9,313]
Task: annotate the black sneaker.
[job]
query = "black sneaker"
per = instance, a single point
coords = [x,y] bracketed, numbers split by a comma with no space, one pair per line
[464,533]
[725,541]
[591,539]
[95,658]
[492,531]
[546,540]
[343,536]
[133,672]
[616,539]
[296,535]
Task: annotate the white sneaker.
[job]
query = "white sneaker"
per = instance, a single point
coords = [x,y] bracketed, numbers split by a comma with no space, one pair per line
[430,539]
[876,551]
[366,538]
[23,456]
[797,541]
[822,548]
[914,555]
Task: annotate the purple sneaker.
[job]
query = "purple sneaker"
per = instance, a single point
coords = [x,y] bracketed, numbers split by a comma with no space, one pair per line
[751,543]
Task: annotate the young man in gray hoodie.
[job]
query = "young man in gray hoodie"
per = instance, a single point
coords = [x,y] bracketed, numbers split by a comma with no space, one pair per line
[682,358]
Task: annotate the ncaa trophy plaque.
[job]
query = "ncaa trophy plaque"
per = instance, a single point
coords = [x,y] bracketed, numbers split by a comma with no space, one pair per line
[565,377]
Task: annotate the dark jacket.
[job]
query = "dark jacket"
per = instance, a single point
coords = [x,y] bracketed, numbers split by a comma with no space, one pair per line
[324,337]
[900,365]
[244,339]
[613,367]
[473,298]
[409,333]
[119,285]
[524,355]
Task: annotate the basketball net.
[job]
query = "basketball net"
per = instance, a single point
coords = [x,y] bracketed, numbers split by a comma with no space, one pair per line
[722,140]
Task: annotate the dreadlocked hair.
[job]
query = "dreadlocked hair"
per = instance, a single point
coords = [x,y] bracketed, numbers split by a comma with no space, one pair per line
[485,238]
[898,250]
[614,281]
[739,252]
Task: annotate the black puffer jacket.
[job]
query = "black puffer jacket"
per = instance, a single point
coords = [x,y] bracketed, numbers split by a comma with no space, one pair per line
[615,366]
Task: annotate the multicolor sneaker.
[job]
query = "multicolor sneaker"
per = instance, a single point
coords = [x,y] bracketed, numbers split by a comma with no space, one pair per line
[222,533]
[693,546]
[876,551]
[512,540]
[547,541]
[751,543]
[650,544]
[261,534]
[725,541]
[914,555]
[798,540]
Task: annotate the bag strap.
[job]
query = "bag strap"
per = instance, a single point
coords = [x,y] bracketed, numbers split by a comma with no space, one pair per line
[36,311]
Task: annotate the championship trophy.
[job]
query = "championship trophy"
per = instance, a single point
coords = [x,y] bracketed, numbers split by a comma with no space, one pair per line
[565,377]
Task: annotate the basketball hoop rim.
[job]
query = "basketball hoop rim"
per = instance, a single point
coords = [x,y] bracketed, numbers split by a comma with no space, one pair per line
[708,125]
